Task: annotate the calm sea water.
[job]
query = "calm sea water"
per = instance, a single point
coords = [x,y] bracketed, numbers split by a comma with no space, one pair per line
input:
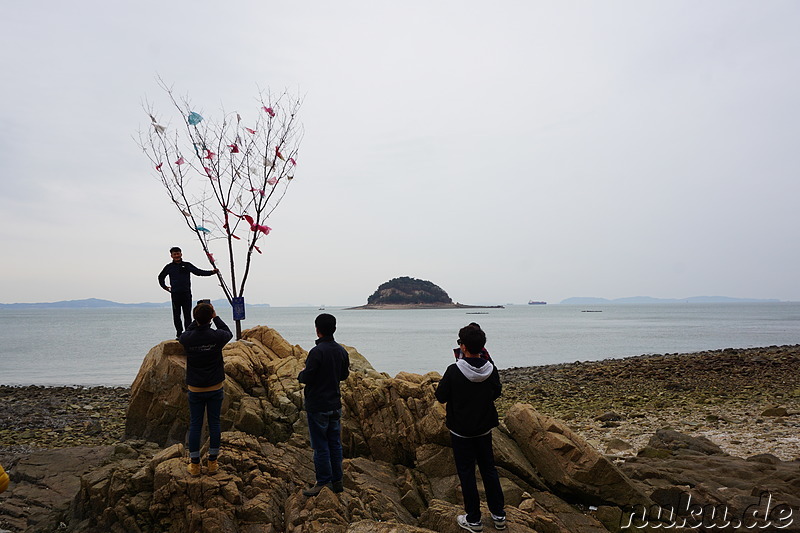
[106,346]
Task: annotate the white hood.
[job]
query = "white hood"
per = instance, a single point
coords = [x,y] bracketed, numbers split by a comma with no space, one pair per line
[473,373]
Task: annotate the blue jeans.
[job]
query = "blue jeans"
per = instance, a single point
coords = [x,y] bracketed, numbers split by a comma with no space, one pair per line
[467,452]
[201,403]
[325,431]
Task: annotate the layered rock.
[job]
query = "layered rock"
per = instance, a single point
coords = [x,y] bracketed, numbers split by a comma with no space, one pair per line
[399,473]
[398,468]
[568,463]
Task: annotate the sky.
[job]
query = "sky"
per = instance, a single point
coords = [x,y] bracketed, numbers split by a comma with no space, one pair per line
[505,151]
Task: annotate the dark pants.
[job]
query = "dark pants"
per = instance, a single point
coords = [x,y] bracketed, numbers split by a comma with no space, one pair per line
[181,304]
[201,403]
[325,431]
[467,452]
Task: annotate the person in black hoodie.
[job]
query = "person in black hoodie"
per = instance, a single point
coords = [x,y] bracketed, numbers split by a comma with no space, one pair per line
[469,387]
[180,288]
[326,365]
[205,377]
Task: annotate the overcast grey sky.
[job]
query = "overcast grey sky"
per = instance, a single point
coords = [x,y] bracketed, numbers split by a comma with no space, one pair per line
[505,151]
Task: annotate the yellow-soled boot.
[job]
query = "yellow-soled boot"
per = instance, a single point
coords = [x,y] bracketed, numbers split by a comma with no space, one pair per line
[213,466]
[4,480]
[194,469]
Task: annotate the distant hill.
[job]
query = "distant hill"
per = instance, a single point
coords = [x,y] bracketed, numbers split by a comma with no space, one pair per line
[411,293]
[651,300]
[408,291]
[95,303]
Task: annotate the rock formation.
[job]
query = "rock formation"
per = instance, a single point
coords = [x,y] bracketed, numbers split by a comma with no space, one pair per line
[405,290]
[399,474]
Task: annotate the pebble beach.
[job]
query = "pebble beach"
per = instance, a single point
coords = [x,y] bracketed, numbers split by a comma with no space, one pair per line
[747,401]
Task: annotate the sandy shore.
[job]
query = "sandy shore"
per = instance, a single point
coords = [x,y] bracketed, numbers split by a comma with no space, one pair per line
[747,401]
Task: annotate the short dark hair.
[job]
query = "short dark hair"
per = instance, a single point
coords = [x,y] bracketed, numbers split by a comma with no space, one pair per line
[325,324]
[473,337]
[174,249]
[203,313]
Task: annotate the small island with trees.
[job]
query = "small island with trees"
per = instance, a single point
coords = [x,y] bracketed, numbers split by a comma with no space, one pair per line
[411,293]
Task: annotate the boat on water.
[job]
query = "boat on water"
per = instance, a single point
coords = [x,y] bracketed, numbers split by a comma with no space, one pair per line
[534,302]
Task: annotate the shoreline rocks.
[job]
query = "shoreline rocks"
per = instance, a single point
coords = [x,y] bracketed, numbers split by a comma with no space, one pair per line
[398,466]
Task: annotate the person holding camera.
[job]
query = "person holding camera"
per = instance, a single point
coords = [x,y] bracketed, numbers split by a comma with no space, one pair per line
[470,387]
[180,287]
[205,377]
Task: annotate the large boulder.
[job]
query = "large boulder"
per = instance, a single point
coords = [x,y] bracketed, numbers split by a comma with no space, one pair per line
[567,463]
[398,457]
[262,394]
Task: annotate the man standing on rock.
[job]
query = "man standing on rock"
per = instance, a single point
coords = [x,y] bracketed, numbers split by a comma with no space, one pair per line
[469,387]
[180,287]
[205,377]
[326,365]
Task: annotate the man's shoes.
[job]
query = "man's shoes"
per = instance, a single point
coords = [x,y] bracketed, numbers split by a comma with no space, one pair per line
[461,520]
[194,469]
[213,466]
[499,521]
[313,491]
[338,486]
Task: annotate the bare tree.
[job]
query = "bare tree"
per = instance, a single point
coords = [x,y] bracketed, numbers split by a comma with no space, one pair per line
[226,177]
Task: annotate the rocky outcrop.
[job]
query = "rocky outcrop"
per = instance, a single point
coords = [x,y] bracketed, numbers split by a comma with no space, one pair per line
[408,291]
[44,483]
[262,395]
[567,463]
[399,474]
[398,467]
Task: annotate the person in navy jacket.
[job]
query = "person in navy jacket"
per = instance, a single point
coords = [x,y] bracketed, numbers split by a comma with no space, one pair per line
[180,287]
[327,364]
[205,377]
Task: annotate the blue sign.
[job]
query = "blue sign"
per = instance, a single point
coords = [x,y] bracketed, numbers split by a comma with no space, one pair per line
[238,308]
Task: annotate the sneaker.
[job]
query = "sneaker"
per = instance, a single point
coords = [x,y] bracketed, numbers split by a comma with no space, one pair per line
[461,520]
[194,469]
[316,489]
[337,486]
[499,521]
[213,466]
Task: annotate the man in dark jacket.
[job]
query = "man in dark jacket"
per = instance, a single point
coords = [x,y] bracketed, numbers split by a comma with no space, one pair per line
[180,287]
[469,387]
[326,365]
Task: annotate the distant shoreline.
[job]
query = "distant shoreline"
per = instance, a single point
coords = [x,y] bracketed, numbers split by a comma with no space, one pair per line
[422,306]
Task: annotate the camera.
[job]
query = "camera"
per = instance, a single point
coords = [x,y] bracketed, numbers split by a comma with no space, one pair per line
[205,301]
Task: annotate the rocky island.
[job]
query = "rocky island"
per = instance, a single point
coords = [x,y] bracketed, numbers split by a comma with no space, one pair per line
[411,293]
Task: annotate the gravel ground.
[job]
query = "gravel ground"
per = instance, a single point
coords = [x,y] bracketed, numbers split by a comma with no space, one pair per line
[747,401]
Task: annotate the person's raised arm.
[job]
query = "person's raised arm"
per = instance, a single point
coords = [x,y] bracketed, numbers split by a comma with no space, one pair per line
[199,272]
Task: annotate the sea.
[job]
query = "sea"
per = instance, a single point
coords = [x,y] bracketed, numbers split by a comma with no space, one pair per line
[90,347]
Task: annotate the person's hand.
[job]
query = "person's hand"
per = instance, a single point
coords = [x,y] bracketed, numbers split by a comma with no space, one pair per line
[215,271]
[213,312]
[168,289]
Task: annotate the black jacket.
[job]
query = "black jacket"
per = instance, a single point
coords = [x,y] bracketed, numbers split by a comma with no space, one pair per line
[180,276]
[203,346]
[469,387]
[326,365]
